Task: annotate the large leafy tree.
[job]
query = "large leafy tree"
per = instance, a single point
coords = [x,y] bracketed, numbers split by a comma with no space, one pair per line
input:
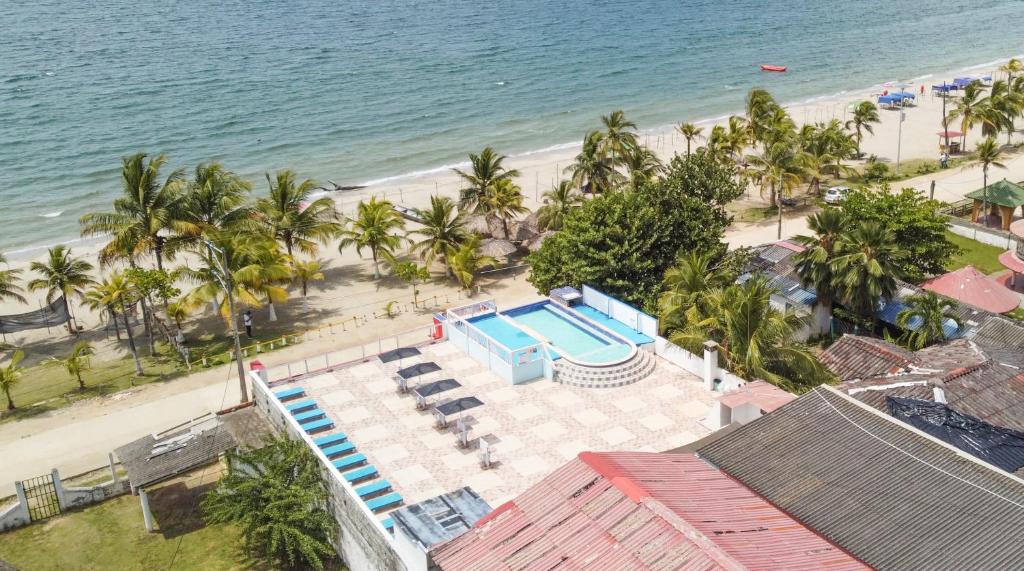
[10,375]
[866,267]
[865,114]
[443,230]
[61,275]
[557,204]
[923,318]
[291,215]
[278,498]
[376,227]
[756,339]
[144,213]
[623,242]
[918,230]
[486,169]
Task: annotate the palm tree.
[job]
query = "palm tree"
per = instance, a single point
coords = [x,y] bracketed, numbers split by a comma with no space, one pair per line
[1009,68]
[486,169]
[988,152]
[619,138]
[642,165]
[927,311]
[779,169]
[375,227]
[558,203]
[467,262]
[737,137]
[9,288]
[411,273]
[443,230]
[118,293]
[76,363]
[690,132]
[864,114]
[277,497]
[147,208]
[997,112]
[179,312]
[593,171]
[760,108]
[306,271]
[865,267]
[10,375]
[289,215]
[504,201]
[968,108]
[685,287]
[62,275]
[215,200]
[756,340]
[814,264]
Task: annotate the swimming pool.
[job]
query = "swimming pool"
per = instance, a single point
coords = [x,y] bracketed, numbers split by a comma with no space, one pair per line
[503,332]
[569,336]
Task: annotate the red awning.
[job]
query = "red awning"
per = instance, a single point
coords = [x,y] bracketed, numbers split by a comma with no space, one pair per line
[951,134]
[972,287]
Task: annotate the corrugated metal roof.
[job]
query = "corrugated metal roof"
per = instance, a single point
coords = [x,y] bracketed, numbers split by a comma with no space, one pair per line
[442,517]
[857,357]
[890,496]
[634,510]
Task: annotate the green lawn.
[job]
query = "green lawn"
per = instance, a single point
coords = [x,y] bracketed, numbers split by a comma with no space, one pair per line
[981,256]
[110,536]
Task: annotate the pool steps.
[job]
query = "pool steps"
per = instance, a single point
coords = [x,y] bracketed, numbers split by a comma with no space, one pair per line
[639,366]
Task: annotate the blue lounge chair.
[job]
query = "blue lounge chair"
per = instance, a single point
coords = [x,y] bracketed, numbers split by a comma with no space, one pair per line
[290,394]
[318,425]
[330,439]
[361,474]
[388,523]
[374,489]
[390,500]
[349,461]
[339,449]
[300,406]
[304,417]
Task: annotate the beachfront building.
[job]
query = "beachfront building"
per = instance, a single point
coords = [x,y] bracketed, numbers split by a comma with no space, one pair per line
[1002,199]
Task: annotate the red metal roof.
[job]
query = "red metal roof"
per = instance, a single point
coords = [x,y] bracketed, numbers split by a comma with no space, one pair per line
[634,510]
[972,287]
[1010,261]
[764,396]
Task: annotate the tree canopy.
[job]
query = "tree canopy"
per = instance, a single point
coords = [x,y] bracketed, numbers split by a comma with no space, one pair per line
[622,242]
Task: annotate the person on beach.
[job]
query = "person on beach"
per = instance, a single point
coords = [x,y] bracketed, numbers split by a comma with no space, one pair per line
[247,321]
[944,159]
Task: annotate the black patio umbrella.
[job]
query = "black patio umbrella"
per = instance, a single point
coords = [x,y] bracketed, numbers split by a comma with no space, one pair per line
[458,405]
[436,387]
[418,369]
[400,353]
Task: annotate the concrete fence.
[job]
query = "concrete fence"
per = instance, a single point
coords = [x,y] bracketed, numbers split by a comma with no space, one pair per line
[68,497]
[990,236]
[706,367]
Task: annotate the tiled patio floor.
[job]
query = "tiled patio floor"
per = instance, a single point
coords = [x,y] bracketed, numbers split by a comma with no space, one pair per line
[532,428]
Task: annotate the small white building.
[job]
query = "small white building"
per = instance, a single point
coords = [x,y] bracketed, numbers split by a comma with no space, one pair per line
[745,404]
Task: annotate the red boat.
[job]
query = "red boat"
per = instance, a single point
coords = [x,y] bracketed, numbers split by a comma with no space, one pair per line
[779,68]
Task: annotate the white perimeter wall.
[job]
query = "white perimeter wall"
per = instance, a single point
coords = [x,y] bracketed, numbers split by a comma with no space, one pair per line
[620,311]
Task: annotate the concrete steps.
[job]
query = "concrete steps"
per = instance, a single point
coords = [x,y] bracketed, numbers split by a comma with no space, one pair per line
[620,374]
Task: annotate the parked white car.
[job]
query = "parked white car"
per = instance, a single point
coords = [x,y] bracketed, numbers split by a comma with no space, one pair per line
[836,194]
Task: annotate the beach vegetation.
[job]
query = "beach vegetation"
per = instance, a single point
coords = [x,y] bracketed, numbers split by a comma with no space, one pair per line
[558,202]
[277,497]
[815,264]
[967,109]
[619,137]
[592,170]
[62,275]
[290,214]
[305,272]
[486,169]
[865,114]
[443,230]
[10,289]
[690,132]
[504,202]
[215,199]
[118,295]
[988,154]
[866,267]
[412,274]
[146,210]
[76,362]
[926,311]
[642,166]
[467,261]
[10,375]
[376,228]
[622,242]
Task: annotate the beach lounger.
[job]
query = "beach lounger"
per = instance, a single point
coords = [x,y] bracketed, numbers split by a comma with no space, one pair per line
[300,406]
[290,394]
[349,461]
[369,471]
[388,523]
[308,415]
[374,489]
[339,449]
[384,502]
[330,439]
[318,425]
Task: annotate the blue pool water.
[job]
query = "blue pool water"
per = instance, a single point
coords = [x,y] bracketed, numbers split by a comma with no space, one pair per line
[626,331]
[567,337]
[503,332]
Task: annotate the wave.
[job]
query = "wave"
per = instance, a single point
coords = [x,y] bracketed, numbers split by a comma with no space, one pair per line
[51,214]
[415,174]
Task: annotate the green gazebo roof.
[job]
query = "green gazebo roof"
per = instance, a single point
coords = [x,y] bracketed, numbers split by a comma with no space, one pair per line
[1003,193]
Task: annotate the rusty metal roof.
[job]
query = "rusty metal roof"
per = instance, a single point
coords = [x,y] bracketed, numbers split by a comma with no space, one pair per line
[634,510]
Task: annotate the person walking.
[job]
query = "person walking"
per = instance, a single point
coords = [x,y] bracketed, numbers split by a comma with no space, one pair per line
[247,321]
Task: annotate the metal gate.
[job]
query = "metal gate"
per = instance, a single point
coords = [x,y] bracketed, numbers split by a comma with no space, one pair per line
[41,494]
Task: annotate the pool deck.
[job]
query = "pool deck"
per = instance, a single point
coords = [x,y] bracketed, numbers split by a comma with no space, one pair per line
[532,427]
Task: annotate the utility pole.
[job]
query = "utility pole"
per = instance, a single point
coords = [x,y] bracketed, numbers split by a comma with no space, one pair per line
[225,281]
[945,127]
[778,197]
[899,140]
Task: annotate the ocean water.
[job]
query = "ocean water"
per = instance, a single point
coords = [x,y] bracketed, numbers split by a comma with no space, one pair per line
[362,90]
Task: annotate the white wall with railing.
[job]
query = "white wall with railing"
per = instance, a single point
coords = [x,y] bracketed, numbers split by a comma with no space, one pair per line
[515,366]
[621,311]
[334,359]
